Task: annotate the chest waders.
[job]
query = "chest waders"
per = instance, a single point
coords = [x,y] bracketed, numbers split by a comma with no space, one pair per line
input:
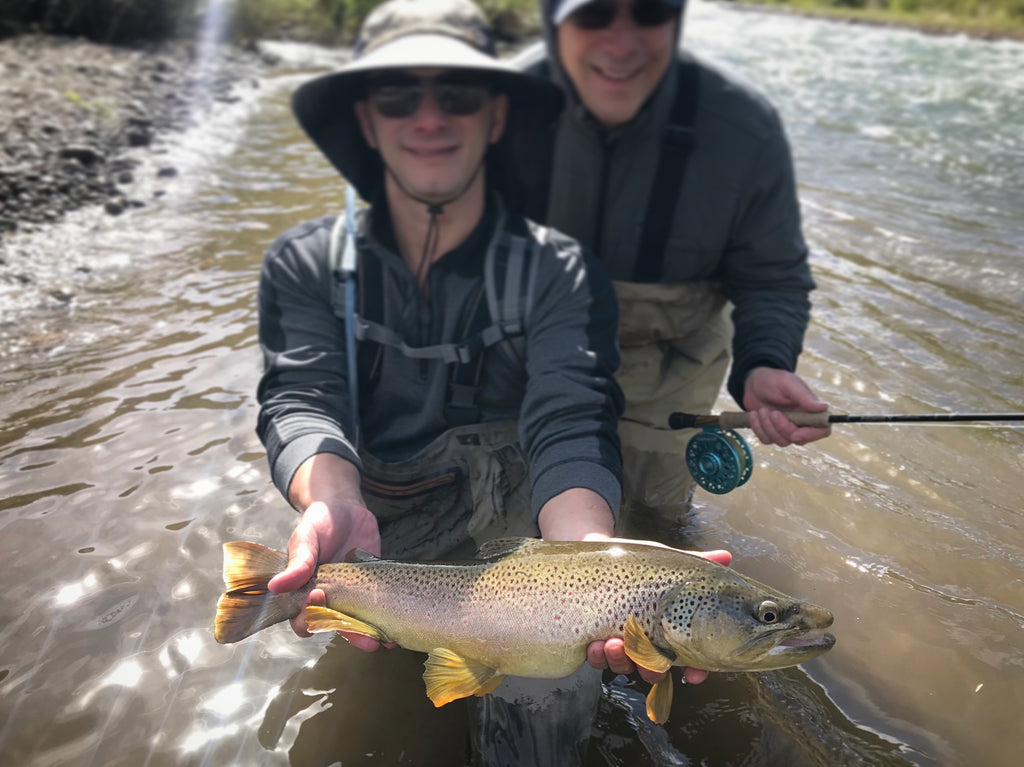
[675,340]
[471,483]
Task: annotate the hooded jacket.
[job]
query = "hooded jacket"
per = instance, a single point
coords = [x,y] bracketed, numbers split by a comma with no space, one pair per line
[736,220]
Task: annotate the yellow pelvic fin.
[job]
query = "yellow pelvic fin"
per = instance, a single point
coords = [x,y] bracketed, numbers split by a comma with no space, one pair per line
[659,701]
[449,676]
[640,649]
[325,619]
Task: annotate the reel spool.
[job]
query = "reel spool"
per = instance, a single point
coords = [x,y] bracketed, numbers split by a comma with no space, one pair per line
[720,461]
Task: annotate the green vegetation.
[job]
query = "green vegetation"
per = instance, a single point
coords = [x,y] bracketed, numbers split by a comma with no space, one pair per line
[104,110]
[129,21]
[983,17]
[333,21]
[106,21]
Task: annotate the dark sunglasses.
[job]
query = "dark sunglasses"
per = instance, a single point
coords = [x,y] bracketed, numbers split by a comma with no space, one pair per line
[645,13]
[399,95]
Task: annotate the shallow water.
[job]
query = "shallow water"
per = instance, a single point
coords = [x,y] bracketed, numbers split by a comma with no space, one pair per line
[127,452]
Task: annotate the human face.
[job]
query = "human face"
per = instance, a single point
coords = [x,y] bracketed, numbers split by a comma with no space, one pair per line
[433,154]
[616,69]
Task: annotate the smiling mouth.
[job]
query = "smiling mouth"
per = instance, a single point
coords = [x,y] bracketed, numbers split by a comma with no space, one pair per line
[430,152]
[616,77]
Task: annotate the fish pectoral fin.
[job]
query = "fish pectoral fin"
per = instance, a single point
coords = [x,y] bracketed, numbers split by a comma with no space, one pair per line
[659,700]
[325,619]
[449,676]
[640,649]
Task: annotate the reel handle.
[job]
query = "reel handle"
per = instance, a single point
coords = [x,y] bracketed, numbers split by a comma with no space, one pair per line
[729,420]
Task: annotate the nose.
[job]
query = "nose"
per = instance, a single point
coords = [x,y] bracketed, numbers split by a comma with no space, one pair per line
[623,35]
[429,114]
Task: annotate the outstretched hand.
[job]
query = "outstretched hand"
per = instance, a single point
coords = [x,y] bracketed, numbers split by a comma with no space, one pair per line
[322,536]
[767,394]
[611,653]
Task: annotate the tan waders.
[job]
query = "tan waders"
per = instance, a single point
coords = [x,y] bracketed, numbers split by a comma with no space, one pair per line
[676,342]
[468,486]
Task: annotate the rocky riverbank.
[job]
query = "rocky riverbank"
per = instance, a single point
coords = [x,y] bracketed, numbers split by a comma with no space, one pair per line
[72,113]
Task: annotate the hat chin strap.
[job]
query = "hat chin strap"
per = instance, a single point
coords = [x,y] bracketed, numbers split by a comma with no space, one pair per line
[435,209]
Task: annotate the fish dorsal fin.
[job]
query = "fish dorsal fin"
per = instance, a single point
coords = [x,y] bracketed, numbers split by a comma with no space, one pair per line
[360,555]
[503,547]
[449,676]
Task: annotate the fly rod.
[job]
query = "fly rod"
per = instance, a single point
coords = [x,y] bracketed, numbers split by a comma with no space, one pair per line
[729,420]
[719,459]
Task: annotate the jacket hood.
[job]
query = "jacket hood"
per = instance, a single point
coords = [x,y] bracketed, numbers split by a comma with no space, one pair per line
[549,34]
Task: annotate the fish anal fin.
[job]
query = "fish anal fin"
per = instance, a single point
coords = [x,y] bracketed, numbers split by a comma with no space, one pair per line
[659,700]
[640,649]
[449,676]
[325,619]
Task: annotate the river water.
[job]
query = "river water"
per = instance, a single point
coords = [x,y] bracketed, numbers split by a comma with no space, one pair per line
[127,452]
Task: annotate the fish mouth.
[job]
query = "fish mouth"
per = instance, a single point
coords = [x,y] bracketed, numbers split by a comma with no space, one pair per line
[816,639]
[777,650]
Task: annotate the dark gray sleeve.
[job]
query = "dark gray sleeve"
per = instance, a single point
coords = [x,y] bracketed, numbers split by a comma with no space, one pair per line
[303,393]
[767,274]
[569,417]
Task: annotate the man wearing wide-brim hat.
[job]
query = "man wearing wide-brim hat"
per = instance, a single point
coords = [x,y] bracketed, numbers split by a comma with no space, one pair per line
[438,372]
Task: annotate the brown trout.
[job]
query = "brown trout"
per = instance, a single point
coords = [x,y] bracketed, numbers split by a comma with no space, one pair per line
[530,608]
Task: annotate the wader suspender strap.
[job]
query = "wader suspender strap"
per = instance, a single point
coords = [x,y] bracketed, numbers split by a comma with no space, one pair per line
[668,181]
[501,320]
[506,316]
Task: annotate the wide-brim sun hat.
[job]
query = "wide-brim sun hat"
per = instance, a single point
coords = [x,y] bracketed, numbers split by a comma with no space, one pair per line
[409,34]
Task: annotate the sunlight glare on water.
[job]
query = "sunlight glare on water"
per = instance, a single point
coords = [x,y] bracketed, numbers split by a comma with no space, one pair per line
[128,454]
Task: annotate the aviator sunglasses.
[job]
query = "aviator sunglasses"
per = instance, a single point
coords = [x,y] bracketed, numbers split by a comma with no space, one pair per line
[396,95]
[645,13]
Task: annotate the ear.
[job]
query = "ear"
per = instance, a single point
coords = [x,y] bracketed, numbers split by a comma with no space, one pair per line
[499,115]
[366,124]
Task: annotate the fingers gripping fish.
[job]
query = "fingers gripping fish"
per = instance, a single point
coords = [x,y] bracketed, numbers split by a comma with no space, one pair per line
[530,608]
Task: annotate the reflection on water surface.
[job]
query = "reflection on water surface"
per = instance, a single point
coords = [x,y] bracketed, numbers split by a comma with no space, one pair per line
[128,453]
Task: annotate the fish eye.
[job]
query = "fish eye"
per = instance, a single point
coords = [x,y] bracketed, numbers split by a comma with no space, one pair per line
[768,612]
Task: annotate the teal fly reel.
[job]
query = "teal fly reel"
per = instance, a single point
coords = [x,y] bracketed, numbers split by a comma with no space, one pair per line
[720,461]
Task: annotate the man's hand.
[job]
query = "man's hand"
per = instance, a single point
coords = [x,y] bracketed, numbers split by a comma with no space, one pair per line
[766,393]
[611,653]
[322,536]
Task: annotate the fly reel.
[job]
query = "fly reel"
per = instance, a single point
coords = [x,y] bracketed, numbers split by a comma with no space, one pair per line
[719,460]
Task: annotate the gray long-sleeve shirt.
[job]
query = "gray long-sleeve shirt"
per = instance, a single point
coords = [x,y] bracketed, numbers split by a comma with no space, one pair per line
[563,393]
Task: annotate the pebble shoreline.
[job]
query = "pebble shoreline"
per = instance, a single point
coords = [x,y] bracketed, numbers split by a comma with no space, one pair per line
[71,110]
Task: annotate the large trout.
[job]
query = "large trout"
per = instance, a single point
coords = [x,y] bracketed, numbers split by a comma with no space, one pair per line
[530,608]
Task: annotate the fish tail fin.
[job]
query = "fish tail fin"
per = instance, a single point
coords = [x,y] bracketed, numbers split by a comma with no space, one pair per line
[248,606]
[248,565]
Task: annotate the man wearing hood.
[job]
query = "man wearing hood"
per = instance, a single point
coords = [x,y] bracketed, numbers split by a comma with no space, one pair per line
[681,181]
